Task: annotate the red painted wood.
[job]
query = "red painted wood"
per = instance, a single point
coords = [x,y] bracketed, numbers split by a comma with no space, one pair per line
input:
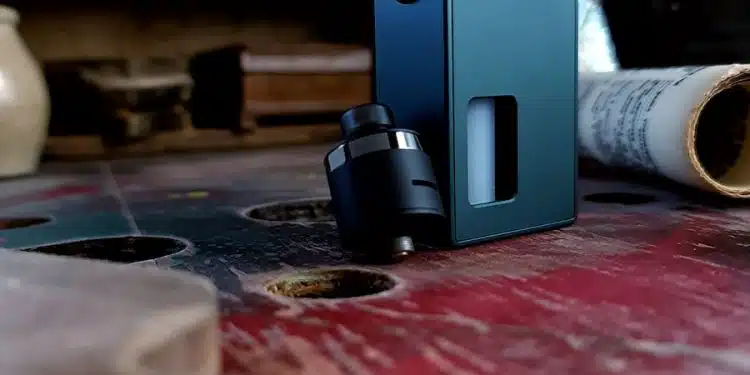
[654,288]
[627,290]
[614,294]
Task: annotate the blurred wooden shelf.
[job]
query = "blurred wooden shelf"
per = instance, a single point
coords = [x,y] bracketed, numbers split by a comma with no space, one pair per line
[300,107]
[190,140]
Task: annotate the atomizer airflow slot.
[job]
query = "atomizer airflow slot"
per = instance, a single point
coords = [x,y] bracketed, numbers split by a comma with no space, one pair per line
[428,184]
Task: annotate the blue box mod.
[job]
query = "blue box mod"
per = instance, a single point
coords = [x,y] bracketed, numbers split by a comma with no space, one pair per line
[490,85]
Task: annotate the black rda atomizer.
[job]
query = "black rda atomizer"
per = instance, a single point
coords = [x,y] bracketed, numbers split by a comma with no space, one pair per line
[383,188]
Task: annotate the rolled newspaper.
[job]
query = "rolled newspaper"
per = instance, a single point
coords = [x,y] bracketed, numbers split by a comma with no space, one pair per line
[689,124]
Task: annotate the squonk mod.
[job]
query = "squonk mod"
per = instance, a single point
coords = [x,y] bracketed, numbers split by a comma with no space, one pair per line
[490,86]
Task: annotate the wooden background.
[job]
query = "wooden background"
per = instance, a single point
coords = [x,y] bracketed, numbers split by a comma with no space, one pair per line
[92,30]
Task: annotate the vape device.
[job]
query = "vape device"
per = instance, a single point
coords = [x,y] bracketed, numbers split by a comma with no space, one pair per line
[383,189]
[490,86]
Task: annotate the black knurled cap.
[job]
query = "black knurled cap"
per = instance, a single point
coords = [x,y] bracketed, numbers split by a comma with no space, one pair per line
[365,115]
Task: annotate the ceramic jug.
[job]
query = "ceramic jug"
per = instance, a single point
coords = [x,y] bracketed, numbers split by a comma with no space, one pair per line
[24,101]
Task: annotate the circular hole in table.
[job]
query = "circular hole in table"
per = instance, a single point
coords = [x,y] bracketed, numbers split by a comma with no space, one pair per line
[22,222]
[628,199]
[301,210]
[123,249]
[331,283]
[687,208]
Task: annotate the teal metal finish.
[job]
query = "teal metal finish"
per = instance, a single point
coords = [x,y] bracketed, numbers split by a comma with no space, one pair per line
[526,49]
[433,57]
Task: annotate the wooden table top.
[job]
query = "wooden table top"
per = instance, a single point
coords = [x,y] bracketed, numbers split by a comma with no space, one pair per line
[648,281]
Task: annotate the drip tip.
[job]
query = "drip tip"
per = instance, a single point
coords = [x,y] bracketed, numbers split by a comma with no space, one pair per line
[365,115]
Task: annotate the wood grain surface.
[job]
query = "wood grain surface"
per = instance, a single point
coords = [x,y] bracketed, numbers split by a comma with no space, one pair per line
[648,281]
[91,147]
